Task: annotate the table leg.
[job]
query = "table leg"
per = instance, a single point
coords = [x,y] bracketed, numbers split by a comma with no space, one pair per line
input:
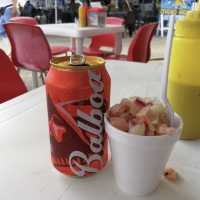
[73,43]
[118,47]
[162,25]
[35,79]
[79,46]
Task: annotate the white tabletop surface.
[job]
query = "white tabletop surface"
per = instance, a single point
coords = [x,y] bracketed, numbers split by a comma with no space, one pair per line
[26,172]
[72,30]
[78,34]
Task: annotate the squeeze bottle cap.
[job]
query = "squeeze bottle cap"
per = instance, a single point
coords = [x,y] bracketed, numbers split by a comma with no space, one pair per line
[189,26]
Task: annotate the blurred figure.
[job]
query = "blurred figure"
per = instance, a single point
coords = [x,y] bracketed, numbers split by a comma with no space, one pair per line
[70,11]
[8,9]
[29,9]
[179,2]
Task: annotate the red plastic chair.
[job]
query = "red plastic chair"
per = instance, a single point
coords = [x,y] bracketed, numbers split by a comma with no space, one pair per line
[140,48]
[115,20]
[11,84]
[104,40]
[24,20]
[29,48]
[55,49]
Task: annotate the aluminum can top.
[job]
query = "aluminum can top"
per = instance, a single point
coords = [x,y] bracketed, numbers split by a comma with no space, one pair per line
[76,62]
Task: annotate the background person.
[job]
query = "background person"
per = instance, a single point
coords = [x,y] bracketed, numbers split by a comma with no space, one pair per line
[8,9]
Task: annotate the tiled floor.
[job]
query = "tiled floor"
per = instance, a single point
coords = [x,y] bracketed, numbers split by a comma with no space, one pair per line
[157,51]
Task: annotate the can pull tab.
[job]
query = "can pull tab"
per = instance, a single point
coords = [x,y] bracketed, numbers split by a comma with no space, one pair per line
[77,60]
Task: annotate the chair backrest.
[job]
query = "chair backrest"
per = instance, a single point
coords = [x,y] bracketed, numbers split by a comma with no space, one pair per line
[24,20]
[11,84]
[115,20]
[106,40]
[30,48]
[140,48]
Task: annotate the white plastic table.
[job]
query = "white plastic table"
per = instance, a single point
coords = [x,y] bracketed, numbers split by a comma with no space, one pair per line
[26,172]
[72,30]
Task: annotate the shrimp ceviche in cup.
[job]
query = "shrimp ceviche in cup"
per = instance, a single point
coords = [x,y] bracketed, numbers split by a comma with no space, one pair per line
[141,140]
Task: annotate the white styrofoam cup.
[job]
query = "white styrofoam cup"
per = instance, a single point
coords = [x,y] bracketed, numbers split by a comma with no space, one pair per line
[139,161]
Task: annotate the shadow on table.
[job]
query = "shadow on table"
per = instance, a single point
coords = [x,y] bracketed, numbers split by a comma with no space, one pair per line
[103,186]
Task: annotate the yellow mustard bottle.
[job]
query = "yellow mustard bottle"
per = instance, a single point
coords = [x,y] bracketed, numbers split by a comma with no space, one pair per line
[184,73]
[82,13]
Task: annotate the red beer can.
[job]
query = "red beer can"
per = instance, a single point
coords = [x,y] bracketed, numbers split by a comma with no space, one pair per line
[78,95]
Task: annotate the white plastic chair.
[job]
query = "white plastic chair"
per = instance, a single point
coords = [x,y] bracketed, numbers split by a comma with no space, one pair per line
[164,24]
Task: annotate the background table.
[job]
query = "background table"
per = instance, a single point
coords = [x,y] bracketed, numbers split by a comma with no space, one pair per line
[72,30]
[26,172]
